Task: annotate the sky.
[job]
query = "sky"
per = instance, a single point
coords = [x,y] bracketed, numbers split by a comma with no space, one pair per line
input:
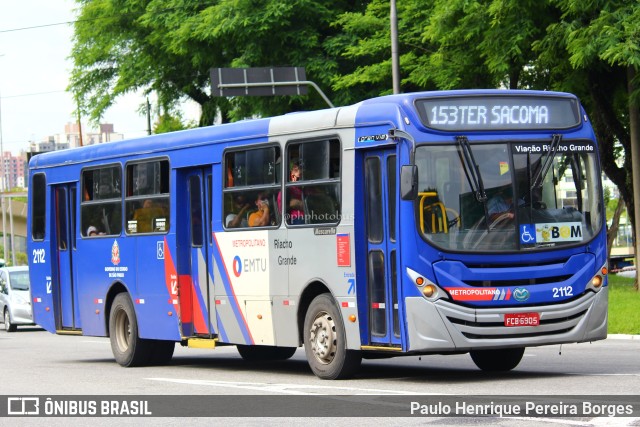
[34,73]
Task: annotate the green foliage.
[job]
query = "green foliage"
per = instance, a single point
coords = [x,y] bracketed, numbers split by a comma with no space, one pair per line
[21,257]
[171,123]
[624,300]
[169,47]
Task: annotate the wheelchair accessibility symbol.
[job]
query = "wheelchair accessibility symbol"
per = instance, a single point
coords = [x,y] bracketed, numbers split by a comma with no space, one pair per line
[526,236]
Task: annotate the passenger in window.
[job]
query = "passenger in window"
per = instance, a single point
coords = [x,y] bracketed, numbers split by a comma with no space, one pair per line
[237,217]
[93,231]
[261,217]
[295,207]
[146,214]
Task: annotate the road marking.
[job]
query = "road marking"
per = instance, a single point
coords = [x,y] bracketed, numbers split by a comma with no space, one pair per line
[288,388]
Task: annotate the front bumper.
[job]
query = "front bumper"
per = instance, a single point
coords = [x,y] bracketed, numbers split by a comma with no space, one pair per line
[443,326]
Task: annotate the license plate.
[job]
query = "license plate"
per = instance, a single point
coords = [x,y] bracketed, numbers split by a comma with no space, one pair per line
[522,319]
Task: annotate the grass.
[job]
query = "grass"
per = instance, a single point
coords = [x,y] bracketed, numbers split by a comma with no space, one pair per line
[624,306]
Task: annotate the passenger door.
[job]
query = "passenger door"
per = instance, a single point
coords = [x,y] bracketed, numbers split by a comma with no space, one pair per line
[196,291]
[382,284]
[63,246]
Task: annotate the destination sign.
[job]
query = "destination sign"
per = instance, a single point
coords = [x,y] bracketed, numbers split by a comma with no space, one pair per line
[509,112]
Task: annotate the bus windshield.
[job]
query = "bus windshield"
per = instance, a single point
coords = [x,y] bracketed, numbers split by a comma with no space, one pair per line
[508,196]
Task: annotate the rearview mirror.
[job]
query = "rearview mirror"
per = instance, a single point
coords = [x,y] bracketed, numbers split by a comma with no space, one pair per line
[409,182]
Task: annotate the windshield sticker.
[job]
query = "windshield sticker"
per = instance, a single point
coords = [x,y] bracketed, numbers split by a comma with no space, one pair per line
[563,147]
[551,232]
[504,168]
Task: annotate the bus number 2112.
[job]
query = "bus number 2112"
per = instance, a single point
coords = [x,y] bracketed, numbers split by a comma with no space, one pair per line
[38,256]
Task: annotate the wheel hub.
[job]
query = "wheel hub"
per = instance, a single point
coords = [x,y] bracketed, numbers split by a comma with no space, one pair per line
[123,330]
[323,338]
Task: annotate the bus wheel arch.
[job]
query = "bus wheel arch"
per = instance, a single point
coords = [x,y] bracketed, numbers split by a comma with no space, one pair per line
[312,290]
[115,289]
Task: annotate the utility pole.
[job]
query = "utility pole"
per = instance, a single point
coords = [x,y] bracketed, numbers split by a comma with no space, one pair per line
[79,123]
[148,117]
[395,60]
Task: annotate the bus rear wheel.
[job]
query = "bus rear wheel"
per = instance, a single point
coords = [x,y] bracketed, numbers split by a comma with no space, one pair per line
[325,341]
[255,353]
[499,360]
[161,352]
[128,349]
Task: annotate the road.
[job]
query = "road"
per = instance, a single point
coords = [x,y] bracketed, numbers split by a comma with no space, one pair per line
[35,362]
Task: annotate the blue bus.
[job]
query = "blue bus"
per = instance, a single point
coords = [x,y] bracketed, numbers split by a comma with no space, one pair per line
[425,223]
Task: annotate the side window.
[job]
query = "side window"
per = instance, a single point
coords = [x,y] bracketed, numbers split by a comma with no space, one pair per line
[313,183]
[147,199]
[251,188]
[101,205]
[38,206]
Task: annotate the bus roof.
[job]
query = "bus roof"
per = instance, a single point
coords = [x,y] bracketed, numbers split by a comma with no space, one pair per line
[249,130]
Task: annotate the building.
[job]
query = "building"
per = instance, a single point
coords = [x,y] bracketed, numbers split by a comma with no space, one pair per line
[105,134]
[71,138]
[14,171]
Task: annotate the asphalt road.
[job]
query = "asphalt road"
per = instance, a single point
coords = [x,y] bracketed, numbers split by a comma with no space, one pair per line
[35,362]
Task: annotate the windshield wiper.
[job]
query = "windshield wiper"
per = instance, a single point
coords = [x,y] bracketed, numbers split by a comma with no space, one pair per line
[547,162]
[577,178]
[474,176]
[477,185]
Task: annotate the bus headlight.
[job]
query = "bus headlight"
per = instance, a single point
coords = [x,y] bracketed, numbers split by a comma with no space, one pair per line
[427,288]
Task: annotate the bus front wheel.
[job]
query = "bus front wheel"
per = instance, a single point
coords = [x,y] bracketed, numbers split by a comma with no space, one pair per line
[499,360]
[325,341]
[128,349]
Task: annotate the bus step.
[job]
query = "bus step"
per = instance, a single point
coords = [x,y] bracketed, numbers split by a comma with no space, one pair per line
[202,342]
[69,331]
[381,348]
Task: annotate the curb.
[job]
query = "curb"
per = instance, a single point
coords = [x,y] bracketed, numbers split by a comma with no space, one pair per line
[623,337]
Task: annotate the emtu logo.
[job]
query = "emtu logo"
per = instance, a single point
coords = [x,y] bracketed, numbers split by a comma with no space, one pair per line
[237,266]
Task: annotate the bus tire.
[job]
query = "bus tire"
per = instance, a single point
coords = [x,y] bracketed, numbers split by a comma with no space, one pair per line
[256,353]
[325,341]
[161,352]
[498,360]
[128,348]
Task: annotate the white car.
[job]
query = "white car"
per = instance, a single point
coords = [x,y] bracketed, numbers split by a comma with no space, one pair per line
[15,297]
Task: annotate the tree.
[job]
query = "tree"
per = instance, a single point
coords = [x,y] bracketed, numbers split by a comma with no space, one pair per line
[169,47]
[168,122]
[602,39]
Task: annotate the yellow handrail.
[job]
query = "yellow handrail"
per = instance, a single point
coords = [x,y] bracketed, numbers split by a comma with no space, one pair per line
[442,224]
